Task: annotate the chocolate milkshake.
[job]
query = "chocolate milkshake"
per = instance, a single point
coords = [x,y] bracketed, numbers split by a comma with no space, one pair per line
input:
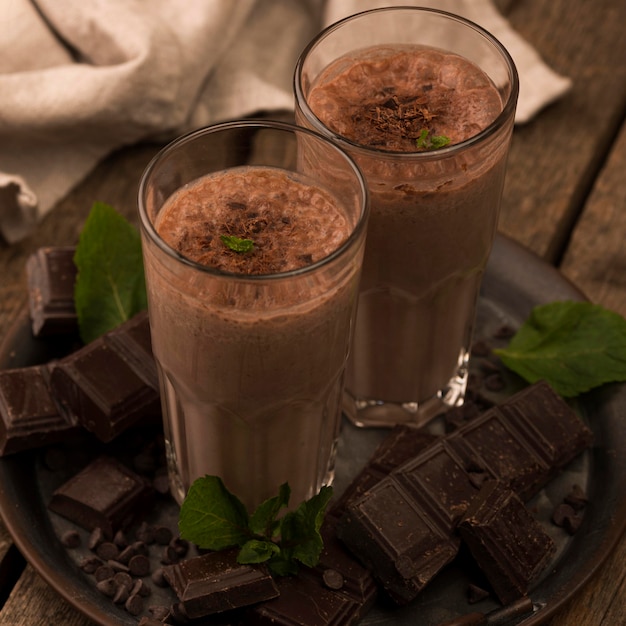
[251,323]
[415,119]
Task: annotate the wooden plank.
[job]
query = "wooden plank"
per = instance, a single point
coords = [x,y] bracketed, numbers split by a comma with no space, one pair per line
[34,603]
[596,256]
[603,601]
[555,157]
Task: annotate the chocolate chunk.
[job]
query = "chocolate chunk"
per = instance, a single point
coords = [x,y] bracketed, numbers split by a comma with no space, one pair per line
[215,582]
[105,494]
[29,415]
[51,275]
[303,600]
[396,538]
[509,545]
[111,383]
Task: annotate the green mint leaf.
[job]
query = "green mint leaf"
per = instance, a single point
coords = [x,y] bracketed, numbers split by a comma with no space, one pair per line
[282,565]
[263,520]
[212,517]
[575,346]
[257,551]
[110,285]
[236,243]
[300,534]
[426,142]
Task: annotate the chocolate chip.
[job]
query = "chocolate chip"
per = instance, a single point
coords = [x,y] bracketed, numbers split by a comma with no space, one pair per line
[480,349]
[126,554]
[121,595]
[120,539]
[107,587]
[504,332]
[70,539]
[476,593]
[104,572]
[162,535]
[123,579]
[159,612]
[333,579]
[576,498]
[140,588]
[564,516]
[139,565]
[158,579]
[96,537]
[107,551]
[134,604]
[89,564]
[494,382]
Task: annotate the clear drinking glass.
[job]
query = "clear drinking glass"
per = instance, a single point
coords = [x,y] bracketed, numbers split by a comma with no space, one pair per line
[434,206]
[252,366]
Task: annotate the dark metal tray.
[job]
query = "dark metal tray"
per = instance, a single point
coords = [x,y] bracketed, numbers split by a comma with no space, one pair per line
[515,281]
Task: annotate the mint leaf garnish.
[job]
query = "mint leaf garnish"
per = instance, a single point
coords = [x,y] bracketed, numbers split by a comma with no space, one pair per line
[574,346]
[426,142]
[237,244]
[213,518]
[110,285]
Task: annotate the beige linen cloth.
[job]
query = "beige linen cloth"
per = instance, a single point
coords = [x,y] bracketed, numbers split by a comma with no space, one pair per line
[81,78]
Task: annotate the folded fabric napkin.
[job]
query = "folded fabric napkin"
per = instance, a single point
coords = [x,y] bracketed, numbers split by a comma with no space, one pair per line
[81,79]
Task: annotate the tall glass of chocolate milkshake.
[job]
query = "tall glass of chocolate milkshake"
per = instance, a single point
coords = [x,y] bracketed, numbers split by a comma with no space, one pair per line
[425,102]
[252,255]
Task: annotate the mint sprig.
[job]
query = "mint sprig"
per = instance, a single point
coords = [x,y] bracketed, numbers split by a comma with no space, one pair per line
[574,346]
[427,142]
[237,244]
[110,285]
[214,519]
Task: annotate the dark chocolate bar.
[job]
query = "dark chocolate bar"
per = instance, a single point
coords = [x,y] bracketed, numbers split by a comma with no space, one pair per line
[111,383]
[105,495]
[51,275]
[304,601]
[29,416]
[403,527]
[215,582]
[509,545]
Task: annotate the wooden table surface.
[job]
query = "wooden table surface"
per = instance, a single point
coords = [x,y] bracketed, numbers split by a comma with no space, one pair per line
[565,199]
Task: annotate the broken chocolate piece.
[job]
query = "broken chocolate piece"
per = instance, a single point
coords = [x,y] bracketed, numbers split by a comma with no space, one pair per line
[51,275]
[509,545]
[303,600]
[104,495]
[394,535]
[29,416]
[215,582]
[111,383]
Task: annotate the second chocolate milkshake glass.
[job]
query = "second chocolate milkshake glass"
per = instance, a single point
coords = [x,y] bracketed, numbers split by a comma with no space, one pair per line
[425,102]
[252,256]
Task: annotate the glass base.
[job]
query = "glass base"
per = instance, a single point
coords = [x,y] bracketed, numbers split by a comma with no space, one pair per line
[370,412]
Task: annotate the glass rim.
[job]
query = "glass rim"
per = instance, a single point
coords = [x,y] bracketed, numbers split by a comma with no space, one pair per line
[149,229]
[507,112]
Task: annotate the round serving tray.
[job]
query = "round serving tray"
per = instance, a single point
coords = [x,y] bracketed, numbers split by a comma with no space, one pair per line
[516,280]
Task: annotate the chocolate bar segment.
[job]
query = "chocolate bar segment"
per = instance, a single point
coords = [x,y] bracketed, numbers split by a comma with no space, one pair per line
[111,383]
[304,601]
[394,535]
[509,545]
[51,275]
[29,416]
[402,444]
[105,494]
[215,582]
